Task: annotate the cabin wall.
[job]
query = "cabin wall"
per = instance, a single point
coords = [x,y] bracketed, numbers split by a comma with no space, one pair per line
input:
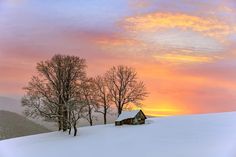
[128,121]
[132,121]
[140,115]
[118,123]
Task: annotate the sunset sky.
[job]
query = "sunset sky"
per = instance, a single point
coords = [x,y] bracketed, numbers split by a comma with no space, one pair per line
[183,50]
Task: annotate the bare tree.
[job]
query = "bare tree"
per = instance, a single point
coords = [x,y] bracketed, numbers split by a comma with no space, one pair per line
[87,92]
[77,109]
[48,93]
[124,87]
[103,97]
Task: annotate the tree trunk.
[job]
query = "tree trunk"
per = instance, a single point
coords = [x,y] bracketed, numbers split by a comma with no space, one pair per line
[119,111]
[59,124]
[69,130]
[90,117]
[120,108]
[65,119]
[75,129]
[69,122]
[60,119]
[105,116]
[90,121]
[105,119]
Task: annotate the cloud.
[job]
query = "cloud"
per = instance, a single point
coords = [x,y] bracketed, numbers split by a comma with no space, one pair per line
[116,41]
[177,39]
[183,58]
[172,37]
[162,21]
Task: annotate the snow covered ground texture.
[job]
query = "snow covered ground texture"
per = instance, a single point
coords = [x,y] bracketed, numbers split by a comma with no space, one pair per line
[210,135]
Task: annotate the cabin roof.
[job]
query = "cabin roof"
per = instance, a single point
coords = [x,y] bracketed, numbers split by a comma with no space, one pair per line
[127,114]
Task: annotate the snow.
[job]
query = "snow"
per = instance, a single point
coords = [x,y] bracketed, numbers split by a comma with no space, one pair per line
[127,115]
[210,135]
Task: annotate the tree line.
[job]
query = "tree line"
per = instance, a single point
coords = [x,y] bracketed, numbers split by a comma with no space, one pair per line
[62,92]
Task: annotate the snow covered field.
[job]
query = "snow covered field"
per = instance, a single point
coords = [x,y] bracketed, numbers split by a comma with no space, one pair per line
[210,135]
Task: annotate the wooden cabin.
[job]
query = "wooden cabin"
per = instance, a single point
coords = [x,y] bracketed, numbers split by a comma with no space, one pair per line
[134,117]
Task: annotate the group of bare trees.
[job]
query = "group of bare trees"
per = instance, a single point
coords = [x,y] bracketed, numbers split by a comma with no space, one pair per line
[62,92]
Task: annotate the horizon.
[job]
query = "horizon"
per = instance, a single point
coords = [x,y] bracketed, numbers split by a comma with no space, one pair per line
[183,50]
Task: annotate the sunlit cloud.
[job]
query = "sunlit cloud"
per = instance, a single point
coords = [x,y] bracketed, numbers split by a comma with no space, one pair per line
[177,39]
[162,21]
[184,58]
[166,38]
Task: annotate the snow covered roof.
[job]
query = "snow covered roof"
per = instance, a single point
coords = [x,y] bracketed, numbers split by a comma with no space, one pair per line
[127,115]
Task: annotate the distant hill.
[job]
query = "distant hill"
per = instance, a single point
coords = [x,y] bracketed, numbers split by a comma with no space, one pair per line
[14,105]
[10,104]
[15,125]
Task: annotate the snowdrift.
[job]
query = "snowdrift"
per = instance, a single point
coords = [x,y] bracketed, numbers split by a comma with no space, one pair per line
[210,135]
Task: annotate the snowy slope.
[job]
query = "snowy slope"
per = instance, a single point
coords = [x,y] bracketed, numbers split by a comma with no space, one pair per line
[212,135]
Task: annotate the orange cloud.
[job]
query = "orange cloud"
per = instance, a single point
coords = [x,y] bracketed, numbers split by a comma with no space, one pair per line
[184,58]
[161,21]
[171,37]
